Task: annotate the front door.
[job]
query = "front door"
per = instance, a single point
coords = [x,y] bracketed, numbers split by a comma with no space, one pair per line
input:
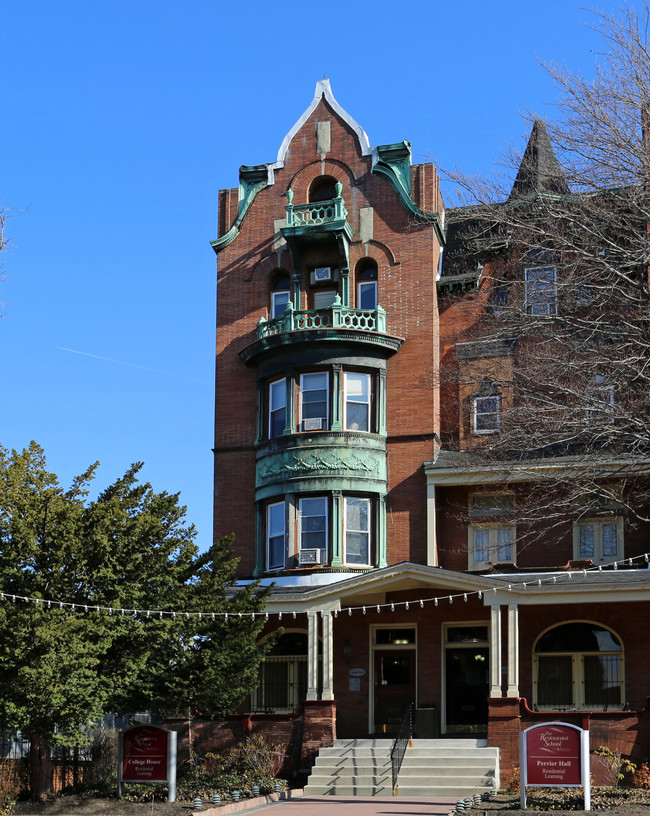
[467,660]
[394,688]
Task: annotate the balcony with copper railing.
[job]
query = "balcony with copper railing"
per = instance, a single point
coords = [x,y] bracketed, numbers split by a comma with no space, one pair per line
[317,216]
[336,317]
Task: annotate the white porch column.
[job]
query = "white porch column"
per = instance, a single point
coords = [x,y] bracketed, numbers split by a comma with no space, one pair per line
[432,541]
[495,652]
[328,657]
[513,650]
[312,656]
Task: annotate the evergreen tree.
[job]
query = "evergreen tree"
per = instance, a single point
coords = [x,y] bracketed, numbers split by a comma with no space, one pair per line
[128,551]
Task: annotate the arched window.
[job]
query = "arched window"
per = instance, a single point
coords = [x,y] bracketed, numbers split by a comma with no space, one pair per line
[366,277]
[578,666]
[322,189]
[280,293]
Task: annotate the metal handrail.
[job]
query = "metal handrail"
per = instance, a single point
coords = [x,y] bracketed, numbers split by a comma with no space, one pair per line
[401,743]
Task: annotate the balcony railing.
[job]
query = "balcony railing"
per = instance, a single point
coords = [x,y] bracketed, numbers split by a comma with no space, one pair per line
[316,213]
[336,317]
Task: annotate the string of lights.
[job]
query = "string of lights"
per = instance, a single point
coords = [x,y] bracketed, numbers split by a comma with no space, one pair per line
[392,606]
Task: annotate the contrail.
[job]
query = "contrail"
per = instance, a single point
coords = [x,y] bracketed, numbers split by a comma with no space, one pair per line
[131,365]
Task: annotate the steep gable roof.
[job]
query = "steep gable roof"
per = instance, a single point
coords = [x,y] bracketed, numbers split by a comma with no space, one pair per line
[539,172]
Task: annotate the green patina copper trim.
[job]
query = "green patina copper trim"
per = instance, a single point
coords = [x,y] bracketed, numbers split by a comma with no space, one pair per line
[252,179]
[349,337]
[322,461]
[394,164]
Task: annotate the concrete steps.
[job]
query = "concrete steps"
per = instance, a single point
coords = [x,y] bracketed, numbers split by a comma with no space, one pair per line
[432,768]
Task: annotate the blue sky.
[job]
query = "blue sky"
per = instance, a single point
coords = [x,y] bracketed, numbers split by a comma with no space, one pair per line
[119,123]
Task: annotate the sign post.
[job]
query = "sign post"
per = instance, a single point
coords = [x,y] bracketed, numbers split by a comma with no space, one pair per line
[554,755]
[147,755]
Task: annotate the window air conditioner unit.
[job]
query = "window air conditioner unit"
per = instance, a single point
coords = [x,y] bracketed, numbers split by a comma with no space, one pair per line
[309,557]
[323,273]
[312,424]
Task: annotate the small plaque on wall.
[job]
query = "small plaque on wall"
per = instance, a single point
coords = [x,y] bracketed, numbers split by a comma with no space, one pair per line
[355,684]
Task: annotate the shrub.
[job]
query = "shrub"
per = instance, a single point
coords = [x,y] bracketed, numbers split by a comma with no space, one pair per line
[615,763]
[12,782]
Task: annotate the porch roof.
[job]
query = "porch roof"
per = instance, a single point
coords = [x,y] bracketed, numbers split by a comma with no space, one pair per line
[428,583]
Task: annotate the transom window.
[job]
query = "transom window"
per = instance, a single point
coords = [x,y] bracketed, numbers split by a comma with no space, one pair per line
[541,290]
[356,388]
[578,666]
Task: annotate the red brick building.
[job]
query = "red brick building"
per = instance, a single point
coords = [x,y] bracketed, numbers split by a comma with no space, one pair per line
[339,467]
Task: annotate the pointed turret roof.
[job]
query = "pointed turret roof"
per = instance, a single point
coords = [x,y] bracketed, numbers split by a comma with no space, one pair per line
[540,171]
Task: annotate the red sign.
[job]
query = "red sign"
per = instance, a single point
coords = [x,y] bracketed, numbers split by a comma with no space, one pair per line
[553,756]
[144,754]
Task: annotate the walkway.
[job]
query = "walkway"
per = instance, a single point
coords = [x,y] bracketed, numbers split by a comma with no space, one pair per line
[361,806]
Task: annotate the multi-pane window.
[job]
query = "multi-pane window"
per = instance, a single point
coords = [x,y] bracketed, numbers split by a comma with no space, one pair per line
[312,516]
[600,540]
[356,401]
[277,407]
[601,401]
[578,665]
[486,414]
[275,535]
[541,290]
[490,544]
[314,401]
[357,531]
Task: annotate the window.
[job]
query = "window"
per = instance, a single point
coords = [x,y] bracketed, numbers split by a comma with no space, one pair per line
[491,504]
[277,407]
[601,398]
[490,544]
[314,401]
[486,414]
[312,517]
[280,294]
[541,290]
[356,398]
[357,531]
[366,276]
[275,535]
[282,683]
[500,299]
[598,539]
[578,666]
